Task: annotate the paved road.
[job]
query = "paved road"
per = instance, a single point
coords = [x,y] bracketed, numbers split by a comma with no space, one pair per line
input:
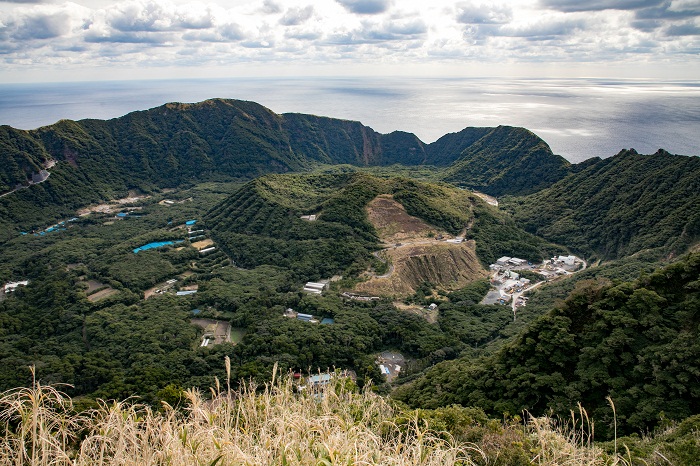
[516,295]
[25,187]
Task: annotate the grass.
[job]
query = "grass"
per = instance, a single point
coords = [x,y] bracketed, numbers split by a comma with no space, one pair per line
[274,424]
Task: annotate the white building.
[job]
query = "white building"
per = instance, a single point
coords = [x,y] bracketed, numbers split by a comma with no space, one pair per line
[503,260]
[567,260]
[315,288]
[12,286]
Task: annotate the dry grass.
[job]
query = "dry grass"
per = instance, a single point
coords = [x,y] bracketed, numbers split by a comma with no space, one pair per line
[268,425]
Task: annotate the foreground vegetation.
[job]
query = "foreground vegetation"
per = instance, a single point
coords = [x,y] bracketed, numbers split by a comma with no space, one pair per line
[276,424]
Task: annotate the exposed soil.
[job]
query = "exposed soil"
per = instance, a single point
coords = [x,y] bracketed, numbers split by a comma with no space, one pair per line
[205,243]
[446,265]
[431,315]
[221,330]
[112,205]
[489,199]
[392,222]
[93,285]
[414,257]
[102,294]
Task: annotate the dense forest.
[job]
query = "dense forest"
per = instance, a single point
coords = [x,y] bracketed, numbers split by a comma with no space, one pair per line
[615,207]
[178,144]
[634,342]
[104,317]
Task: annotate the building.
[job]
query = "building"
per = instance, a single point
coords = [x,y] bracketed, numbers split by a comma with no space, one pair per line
[315,288]
[309,218]
[185,293]
[516,262]
[305,317]
[207,250]
[319,380]
[12,286]
[503,260]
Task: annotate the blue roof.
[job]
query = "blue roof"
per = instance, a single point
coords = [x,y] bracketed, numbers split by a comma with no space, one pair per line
[190,222]
[121,214]
[155,244]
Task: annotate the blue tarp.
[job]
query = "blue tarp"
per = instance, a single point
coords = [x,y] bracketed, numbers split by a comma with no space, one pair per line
[156,244]
[190,222]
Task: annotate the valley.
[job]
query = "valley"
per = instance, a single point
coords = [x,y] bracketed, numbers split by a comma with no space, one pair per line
[164,258]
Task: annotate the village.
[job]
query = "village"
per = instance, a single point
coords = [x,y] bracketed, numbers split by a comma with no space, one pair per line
[509,284]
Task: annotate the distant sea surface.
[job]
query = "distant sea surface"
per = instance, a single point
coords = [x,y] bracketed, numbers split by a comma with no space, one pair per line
[579,118]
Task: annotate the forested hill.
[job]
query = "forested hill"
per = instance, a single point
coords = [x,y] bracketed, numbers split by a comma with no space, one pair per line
[260,223]
[224,139]
[636,342]
[618,206]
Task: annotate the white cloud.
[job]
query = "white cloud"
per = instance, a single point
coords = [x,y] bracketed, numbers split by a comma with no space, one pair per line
[296,16]
[156,33]
[471,13]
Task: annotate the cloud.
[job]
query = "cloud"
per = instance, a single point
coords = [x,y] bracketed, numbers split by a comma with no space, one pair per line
[150,33]
[44,26]
[366,7]
[392,30]
[685,29]
[129,37]
[469,13]
[270,8]
[40,23]
[670,10]
[598,5]
[668,14]
[296,16]
[544,30]
[158,16]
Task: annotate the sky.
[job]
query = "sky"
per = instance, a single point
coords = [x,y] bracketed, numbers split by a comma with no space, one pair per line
[82,40]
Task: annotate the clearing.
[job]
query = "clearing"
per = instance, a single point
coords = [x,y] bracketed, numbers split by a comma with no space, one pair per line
[205,243]
[215,331]
[107,208]
[102,294]
[414,255]
[431,315]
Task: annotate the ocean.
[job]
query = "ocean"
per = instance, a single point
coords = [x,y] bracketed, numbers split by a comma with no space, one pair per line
[579,118]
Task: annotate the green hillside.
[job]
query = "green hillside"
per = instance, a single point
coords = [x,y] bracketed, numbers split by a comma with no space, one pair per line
[635,342]
[506,160]
[261,223]
[618,206]
[221,140]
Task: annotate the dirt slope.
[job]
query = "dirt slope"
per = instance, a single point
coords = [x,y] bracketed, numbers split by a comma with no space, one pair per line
[415,256]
